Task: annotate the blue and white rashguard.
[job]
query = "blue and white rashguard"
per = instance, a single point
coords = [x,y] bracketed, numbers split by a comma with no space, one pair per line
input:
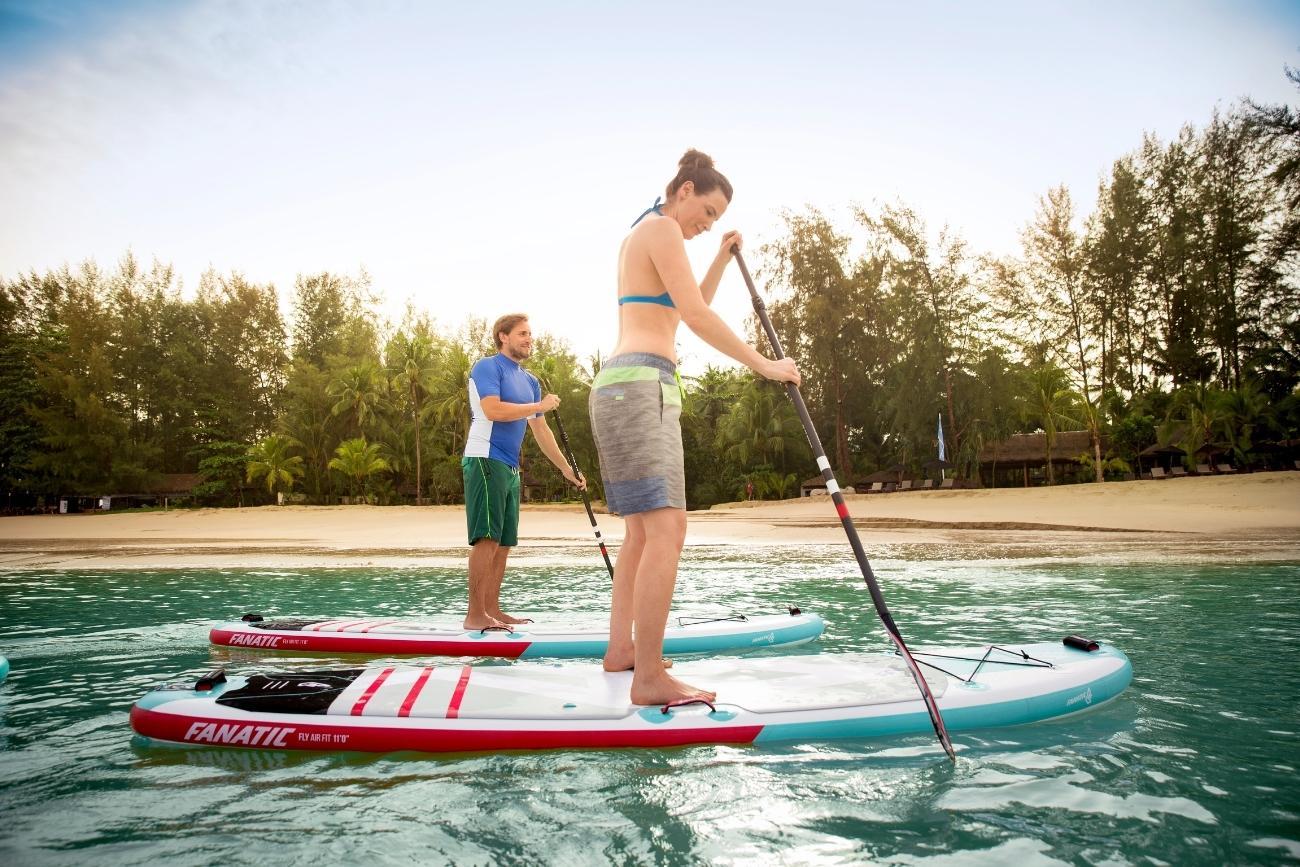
[502,377]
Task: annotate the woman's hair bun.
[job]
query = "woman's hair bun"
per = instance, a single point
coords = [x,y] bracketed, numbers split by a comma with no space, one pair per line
[694,159]
[697,167]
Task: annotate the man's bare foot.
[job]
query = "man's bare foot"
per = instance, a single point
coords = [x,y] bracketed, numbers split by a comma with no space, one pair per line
[502,617]
[662,688]
[483,622]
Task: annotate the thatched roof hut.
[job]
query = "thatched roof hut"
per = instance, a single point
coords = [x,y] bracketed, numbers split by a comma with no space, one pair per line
[809,485]
[879,476]
[1031,448]
[176,484]
[1020,457]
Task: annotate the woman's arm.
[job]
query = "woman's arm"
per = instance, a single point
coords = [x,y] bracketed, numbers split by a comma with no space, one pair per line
[668,254]
[709,285]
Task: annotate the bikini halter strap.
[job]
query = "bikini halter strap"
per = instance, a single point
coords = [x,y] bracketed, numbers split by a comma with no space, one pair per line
[653,209]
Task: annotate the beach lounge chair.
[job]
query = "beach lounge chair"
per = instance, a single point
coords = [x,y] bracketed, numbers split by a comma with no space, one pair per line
[926,484]
[947,484]
[876,488]
[905,485]
[1158,473]
[1204,470]
[1225,468]
[1177,471]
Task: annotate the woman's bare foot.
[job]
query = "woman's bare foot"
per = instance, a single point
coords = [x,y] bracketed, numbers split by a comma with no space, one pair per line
[502,617]
[662,688]
[621,660]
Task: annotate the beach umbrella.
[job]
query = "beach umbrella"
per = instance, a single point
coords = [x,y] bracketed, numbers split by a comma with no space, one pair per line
[939,465]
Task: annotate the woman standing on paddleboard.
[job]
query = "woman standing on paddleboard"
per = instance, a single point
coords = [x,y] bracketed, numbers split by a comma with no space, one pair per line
[636,404]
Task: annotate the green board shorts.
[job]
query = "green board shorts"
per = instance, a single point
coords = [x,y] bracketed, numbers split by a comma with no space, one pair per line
[491,500]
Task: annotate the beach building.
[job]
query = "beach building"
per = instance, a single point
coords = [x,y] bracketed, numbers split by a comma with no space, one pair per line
[169,488]
[815,485]
[1021,459]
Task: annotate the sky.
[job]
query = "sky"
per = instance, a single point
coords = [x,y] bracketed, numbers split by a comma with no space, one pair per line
[477,159]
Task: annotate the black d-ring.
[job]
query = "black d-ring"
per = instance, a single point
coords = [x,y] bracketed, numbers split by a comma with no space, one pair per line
[487,629]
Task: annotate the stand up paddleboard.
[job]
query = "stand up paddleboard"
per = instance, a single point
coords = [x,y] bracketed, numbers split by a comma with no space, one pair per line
[457,708]
[558,636]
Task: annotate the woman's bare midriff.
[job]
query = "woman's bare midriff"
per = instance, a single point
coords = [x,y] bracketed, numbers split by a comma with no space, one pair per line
[640,332]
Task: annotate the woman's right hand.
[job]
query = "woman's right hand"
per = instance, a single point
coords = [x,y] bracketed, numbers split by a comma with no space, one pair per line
[781,370]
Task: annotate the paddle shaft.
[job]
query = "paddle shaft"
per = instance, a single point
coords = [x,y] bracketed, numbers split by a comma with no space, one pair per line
[846,519]
[591,516]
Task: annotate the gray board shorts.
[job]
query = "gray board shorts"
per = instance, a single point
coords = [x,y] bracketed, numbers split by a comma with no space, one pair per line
[636,419]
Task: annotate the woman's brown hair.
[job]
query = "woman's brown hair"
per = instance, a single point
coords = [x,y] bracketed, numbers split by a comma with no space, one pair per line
[697,167]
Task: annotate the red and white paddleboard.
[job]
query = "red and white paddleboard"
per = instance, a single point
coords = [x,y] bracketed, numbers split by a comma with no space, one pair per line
[555,635]
[761,699]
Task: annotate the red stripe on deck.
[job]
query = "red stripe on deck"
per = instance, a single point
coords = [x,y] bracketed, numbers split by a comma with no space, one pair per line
[453,707]
[378,624]
[370,691]
[415,692]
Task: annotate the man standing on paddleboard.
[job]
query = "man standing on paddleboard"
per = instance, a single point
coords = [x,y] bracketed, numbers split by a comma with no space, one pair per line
[636,407]
[503,397]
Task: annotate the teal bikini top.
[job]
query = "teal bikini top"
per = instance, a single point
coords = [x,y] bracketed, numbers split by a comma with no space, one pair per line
[665,299]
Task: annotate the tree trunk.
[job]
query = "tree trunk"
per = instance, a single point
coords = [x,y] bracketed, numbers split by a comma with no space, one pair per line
[952,416]
[419,486]
[1096,454]
[841,434]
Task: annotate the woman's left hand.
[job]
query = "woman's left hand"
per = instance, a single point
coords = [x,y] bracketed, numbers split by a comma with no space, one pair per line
[730,241]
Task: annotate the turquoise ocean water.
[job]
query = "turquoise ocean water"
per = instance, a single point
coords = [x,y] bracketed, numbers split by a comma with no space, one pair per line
[1195,764]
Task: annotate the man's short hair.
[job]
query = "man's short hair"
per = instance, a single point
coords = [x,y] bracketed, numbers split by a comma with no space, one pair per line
[506,324]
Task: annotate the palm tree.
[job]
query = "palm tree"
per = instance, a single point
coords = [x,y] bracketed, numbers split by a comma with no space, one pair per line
[449,398]
[358,390]
[1094,419]
[1201,419]
[271,458]
[761,426]
[1244,410]
[1049,401]
[413,363]
[358,460]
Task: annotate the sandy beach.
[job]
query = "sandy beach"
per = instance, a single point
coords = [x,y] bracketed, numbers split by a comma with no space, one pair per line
[1250,516]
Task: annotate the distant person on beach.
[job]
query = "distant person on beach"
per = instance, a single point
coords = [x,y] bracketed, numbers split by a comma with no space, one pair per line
[636,405]
[502,398]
